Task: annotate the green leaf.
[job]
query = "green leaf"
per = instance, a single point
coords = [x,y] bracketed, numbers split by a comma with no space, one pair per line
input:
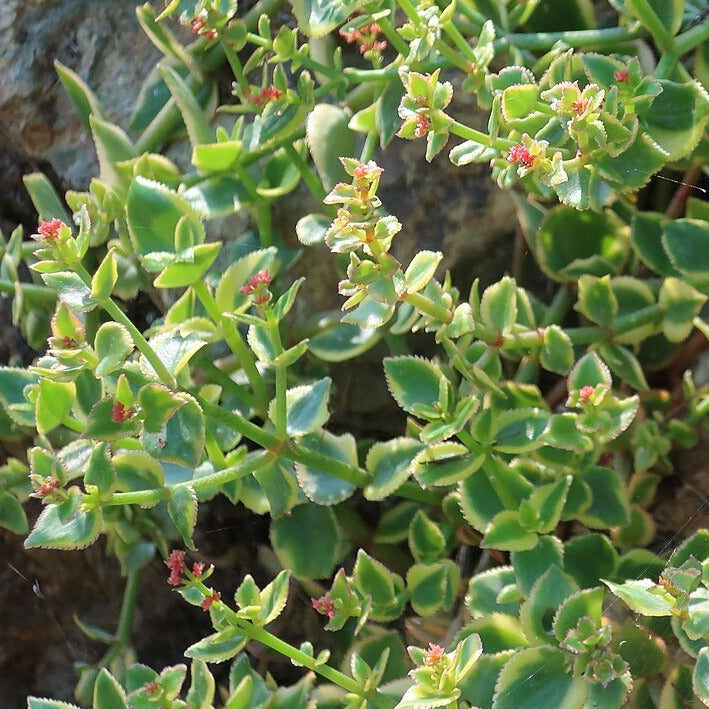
[163,39]
[530,565]
[505,532]
[646,233]
[421,269]
[196,122]
[152,212]
[624,364]
[536,613]
[45,198]
[105,278]
[596,300]
[50,533]
[306,541]
[445,463]
[520,430]
[279,484]
[638,597]
[181,439]
[389,463]
[189,266]
[274,597]
[12,515]
[372,578]
[112,345]
[590,370]
[218,646]
[99,471]
[484,591]
[108,693]
[498,632]
[700,676]
[537,677]
[70,289]
[589,557]
[478,500]
[610,506]
[41,703]
[319,486]
[498,307]
[678,117]
[101,426]
[173,349]
[686,241]
[216,157]
[681,303]
[599,244]
[136,470]
[202,686]
[12,387]
[318,17]
[426,541]
[311,229]
[306,407]
[415,384]
[53,403]
[386,118]
[157,404]
[557,353]
[217,197]
[587,603]
[429,586]
[182,508]
[112,147]
[328,136]
[520,101]
[470,151]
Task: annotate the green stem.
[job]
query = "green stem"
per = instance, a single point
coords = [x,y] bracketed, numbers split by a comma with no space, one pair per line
[559,306]
[692,38]
[318,67]
[270,147]
[329,673]
[281,377]
[411,12]
[34,291]
[648,17]
[451,55]
[428,307]
[140,342]
[251,463]
[265,223]
[236,68]
[309,177]
[598,39]
[234,340]
[465,49]
[393,37]
[125,618]
[337,468]
[138,339]
[370,145]
[468,133]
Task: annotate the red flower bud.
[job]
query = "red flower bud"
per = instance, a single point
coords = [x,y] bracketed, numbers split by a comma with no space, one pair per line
[520,154]
[50,230]
[208,600]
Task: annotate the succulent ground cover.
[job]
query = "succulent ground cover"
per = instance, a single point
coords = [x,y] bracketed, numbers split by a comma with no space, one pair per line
[500,550]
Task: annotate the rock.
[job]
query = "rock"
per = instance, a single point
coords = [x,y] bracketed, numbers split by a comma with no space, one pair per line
[39,129]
